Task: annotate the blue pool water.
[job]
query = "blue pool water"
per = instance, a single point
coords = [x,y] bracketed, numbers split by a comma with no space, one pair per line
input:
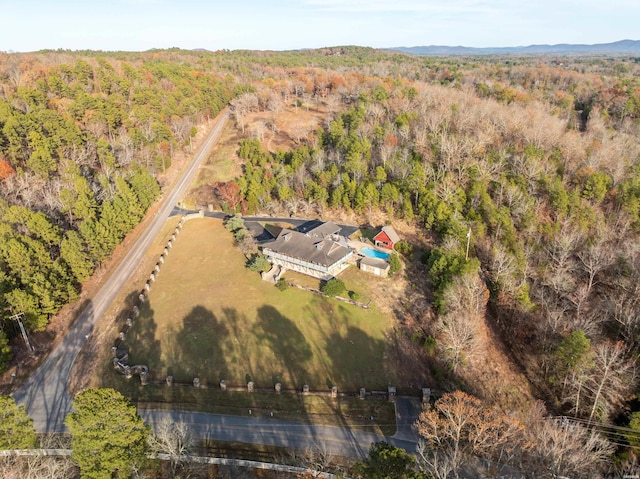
[374,253]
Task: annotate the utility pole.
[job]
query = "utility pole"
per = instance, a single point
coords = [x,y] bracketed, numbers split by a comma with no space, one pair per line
[466,256]
[19,317]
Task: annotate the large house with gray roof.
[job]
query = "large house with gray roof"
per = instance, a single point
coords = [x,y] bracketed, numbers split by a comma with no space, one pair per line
[320,252]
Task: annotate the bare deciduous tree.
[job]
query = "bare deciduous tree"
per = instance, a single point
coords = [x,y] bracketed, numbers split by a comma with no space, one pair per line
[317,458]
[457,339]
[612,379]
[438,464]
[593,260]
[258,129]
[174,439]
[181,128]
[459,328]
[625,310]
[559,448]
[603,383]
[242,106]
[301,131]
[40,466]
[459,427]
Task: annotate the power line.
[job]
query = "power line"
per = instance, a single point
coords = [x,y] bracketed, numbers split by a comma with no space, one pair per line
[595,423]
[614,433]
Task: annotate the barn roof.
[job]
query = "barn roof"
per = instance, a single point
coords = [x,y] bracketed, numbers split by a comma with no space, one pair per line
[390,232]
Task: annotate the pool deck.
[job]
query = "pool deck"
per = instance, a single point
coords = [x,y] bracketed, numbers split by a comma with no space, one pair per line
[360,245]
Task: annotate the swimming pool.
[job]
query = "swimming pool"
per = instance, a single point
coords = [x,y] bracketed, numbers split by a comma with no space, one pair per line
[374,253]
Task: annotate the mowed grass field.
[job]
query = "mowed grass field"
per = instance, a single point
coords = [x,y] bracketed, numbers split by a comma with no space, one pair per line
[208,316]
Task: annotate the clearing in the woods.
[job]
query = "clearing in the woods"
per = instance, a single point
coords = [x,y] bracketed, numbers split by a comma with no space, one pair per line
[208,316]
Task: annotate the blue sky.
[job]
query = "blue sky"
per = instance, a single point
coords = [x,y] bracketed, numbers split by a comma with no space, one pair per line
[27,25]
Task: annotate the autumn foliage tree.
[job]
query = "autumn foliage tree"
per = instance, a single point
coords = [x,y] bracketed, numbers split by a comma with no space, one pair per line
[460,426]
[6,170]
[229,195]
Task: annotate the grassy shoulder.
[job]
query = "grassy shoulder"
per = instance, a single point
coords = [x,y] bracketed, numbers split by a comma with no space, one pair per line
[223,164]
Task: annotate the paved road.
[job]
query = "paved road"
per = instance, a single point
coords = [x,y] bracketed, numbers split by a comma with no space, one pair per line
[334,440]
[407,411]
[45,393]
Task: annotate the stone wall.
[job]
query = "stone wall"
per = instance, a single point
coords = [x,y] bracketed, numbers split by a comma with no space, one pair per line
[119,352]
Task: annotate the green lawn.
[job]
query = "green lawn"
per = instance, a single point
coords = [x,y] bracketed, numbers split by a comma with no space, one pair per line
[208,316]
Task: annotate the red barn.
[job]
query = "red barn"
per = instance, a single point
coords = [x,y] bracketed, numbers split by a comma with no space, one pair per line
[387,238]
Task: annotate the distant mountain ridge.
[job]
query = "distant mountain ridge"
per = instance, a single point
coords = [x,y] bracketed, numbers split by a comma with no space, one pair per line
[619,47]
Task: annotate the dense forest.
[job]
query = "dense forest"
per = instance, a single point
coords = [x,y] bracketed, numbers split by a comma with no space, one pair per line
[534,161]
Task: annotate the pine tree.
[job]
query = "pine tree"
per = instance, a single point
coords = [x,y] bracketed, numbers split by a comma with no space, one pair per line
[5,352]
[16,428]
[108,435]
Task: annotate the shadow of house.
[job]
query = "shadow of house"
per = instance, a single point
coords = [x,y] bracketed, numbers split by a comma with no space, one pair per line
[261,233]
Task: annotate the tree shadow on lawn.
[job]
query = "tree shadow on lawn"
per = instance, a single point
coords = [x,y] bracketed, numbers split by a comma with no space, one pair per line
[240,345]
[288,345]
[196,350]
[141,342]
[357,360]
[326,316]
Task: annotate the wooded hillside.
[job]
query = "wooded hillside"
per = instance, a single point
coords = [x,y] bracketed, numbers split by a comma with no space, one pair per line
[537,160]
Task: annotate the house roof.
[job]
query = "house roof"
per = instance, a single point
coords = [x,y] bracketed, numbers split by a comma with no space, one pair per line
[318,250]
[375,262]
[324,230]
[273,230]
[390,233]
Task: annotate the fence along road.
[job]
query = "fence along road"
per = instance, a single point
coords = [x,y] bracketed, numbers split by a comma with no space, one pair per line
[45,393]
